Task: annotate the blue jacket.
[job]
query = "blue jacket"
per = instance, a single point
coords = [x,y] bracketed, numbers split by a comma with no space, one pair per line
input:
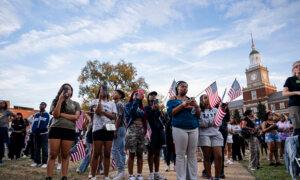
[40,123]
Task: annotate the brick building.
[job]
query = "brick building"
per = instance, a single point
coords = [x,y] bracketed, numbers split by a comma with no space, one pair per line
[259,88]
[26,111]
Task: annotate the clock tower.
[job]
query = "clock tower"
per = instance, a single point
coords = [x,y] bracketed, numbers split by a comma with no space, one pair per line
[258,84]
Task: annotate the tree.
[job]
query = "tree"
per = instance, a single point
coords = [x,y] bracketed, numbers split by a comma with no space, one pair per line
[261,111]
[119,76]
[236,115]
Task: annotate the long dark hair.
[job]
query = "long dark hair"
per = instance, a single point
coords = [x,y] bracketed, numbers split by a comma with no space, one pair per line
[5,105]
[99,90]
[202,105]
[177,84]
[64,104]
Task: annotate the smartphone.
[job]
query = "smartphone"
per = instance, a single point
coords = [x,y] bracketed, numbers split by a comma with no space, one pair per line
[66,92]
[141,92]
[104,88]
[156,101]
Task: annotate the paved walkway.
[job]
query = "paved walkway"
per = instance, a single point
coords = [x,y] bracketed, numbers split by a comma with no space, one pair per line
[234,171]
[20,169]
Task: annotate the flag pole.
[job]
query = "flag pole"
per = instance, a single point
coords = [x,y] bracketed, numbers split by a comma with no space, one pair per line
[203,90]
[199,94]
[224,94]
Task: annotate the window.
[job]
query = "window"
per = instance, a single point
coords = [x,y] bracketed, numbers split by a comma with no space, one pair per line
[272,107]
[282,105]
[253,95]
[254,109]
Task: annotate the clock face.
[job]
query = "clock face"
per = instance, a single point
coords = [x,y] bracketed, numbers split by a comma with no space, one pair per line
[253,76]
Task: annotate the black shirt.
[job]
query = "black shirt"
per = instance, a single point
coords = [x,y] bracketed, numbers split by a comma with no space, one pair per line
[293,84]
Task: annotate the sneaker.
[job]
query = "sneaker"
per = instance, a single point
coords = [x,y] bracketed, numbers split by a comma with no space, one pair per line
[58,167]
[131,177]
[106,178]
[252,169]
[151,176]
[168,169]
[229,162]
[90,176]
[158,176]
[93,178]
[44,166]
[120,175]
[34,165]
[139,177]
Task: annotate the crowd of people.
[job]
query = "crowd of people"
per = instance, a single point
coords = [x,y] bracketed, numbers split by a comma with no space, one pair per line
[120,131]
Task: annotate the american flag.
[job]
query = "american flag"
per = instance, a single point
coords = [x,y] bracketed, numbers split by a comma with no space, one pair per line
[78,151]
[113,164]
[219,116]
[235,90]
[172,91]
[212,92]
[79,121]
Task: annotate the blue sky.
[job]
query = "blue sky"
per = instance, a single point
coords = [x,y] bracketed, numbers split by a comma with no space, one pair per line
[46,43]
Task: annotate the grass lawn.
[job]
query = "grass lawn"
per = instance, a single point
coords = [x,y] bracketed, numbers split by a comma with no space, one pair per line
[268,172]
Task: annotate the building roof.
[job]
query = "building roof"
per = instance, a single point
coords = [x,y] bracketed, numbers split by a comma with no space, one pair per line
[276,96]
[236,104]
[254,51]
[26,113]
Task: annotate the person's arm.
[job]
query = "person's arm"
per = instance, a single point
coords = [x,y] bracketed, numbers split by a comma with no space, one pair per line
[56,111]
[180,107]
[71,117]
[288,93]
[244,125]
[99,108]
[86,121]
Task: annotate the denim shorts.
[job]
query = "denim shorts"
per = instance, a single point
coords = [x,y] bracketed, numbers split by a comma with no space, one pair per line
[272,137]
[211,141]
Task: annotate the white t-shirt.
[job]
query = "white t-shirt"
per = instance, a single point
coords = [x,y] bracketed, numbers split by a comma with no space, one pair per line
[100,121]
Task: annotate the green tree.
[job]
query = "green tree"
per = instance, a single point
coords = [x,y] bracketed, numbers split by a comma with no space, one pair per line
[120,76]
[261,111]
[236,115]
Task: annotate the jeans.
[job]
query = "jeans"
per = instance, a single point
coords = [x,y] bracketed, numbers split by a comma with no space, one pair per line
[29,149]
[3,139]
[186,141]
[40,146]
[291,147]
[118,149]
[254,152]
[86,160]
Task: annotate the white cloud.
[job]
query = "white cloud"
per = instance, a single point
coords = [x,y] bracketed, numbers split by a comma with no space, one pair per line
[8,19]
[213,45]
[85,31]
[150,46]
[261,22]
[244,8]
